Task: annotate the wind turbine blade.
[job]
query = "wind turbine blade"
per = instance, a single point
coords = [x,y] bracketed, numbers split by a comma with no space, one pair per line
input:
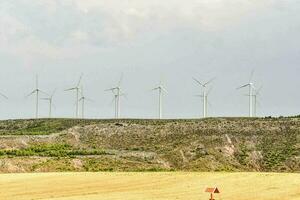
[258,90]
[112,101]
[163,89]
[44,92]
[90,100]
[111,89]
[198,82]
[3,96]
[161,80]
[211,80]
[155,88]
[81,91]
[37,81]
[121,79]
[79,80]
[251,75]
[34,91]
[70,89]
[54,91]
[243,86]
[124,95]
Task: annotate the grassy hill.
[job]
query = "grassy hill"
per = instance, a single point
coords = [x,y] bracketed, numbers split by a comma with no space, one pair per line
[216,144]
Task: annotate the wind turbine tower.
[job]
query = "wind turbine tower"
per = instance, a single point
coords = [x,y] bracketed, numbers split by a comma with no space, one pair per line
[204,94]
[251,88]
[161,90]
[37,91]
[82,100]
[117,105]
[256,94]
[76,89]
[117,91]
[50,100]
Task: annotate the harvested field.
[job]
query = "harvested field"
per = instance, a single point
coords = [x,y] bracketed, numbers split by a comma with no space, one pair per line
[143,186]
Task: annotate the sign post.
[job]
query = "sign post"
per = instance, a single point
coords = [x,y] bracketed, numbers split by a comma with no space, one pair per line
[212,191]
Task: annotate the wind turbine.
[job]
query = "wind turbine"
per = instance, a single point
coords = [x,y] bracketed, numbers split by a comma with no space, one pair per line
[205,102]
[161,90]
[50,100]
[256,94]
[36,91]
[115,101]
[77,89]
[82,100]
[117,91]
[204,95]
[251,87]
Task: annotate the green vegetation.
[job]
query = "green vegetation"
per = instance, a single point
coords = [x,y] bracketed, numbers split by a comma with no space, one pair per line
[213,144]
[51,150]
[109,164]
[39,126]
[242,154]
[277,152]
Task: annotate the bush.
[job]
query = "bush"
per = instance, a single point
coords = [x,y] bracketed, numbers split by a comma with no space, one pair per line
[51,150]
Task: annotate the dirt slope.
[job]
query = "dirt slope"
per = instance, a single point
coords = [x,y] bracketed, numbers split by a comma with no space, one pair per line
[219,144]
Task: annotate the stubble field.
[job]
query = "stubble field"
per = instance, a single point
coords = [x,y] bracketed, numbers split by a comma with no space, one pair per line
[143,186]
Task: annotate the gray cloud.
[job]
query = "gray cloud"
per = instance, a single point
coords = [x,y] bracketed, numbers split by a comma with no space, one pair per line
[100,21]
[147,40]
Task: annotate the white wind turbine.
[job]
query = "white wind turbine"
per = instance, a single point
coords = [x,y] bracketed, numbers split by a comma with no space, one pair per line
[50,100]
[251,87]
[204,95]
[82,100]
[255,95]
[117,91]
[36,91]
[161,90]
[205,102]
[77,89]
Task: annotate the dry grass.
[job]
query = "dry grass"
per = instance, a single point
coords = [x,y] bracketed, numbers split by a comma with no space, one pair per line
[143,186]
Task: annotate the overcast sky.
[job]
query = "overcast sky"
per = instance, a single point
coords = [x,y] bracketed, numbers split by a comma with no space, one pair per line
[149,41]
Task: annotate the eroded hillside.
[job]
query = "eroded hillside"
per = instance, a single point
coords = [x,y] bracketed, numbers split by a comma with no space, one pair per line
[219,144]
